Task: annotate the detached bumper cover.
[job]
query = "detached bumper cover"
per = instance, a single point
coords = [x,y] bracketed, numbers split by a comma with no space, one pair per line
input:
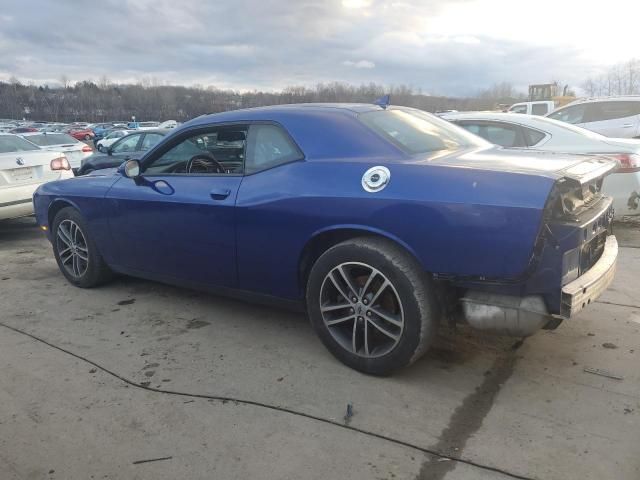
[583,290]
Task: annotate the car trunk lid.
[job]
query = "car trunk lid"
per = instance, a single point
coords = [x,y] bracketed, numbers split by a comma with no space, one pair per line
[18,168]
[533,162]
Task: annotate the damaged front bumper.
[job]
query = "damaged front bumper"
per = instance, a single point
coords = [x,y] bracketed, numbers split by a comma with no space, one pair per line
[523,316]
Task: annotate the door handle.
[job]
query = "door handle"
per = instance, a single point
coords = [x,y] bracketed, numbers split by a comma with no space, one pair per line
[627,125]
[220,193]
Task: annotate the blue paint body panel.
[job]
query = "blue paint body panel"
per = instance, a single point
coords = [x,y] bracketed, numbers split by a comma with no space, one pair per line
[466,216]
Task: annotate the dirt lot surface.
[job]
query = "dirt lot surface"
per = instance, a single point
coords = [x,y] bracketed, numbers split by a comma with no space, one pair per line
[138,380]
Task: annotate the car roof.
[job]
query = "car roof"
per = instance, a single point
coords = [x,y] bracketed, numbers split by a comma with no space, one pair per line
[28,134]
[507,116]
[533,121]
[268,112]
[542,123]
[163,131]
[616,98]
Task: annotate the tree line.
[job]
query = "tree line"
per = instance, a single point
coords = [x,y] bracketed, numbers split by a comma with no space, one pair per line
[104,101]
[621,79]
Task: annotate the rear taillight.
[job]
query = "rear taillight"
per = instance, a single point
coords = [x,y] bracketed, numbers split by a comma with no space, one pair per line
[627,162]
[60,163]
[87,148]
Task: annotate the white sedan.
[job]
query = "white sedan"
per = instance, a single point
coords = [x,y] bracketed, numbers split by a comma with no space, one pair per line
[23,167]
[512,130]
[73,149]
[111,138]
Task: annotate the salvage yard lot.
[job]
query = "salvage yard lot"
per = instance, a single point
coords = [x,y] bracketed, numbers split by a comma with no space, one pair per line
[95,381]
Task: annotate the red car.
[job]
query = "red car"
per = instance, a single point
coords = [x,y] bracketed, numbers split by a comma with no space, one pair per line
[81,133]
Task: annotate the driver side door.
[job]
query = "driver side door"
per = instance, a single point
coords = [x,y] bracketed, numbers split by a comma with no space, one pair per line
[176,222]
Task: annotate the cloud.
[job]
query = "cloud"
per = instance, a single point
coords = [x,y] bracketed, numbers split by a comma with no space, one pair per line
[453,47]
[359,64]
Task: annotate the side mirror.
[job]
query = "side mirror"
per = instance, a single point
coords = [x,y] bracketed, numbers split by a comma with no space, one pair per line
[130,169]
[109,151]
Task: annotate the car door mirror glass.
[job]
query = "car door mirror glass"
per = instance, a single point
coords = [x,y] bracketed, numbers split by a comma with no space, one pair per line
[131,169]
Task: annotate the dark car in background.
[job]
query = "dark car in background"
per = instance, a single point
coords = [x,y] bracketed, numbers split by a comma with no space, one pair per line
[130,146]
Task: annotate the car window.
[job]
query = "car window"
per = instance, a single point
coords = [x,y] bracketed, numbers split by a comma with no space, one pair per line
[470,127]
[149,140]
[518,109]
[52,139]
[11,143]
[126,144]
[269,145]
[539,109]
[573,114]
[502,134]
[216,151]
[414,131]
[600,111]
[533,137]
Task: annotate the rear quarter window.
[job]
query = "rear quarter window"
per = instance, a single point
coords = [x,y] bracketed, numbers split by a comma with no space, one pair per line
[533,137]
[269,146]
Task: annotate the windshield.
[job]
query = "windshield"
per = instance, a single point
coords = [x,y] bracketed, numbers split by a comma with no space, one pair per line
[51,139]
[12,143]
[415,131]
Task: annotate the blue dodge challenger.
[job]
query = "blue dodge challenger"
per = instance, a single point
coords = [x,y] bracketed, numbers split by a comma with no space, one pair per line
[380,221]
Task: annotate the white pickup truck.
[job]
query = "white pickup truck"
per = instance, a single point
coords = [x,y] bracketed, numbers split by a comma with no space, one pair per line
[541,107]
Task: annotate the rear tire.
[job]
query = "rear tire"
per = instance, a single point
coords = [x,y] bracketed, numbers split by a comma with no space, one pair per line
[372,305]
[76,252]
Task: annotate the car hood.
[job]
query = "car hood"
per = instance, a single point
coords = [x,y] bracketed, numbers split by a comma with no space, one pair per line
[103,172]
[582,168]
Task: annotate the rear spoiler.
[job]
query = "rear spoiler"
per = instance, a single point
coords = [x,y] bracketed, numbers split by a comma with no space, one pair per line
[589,170]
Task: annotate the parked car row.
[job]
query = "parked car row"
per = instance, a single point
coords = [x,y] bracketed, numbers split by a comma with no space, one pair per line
[123,146]
[20,154]
[87,132]
[610,116]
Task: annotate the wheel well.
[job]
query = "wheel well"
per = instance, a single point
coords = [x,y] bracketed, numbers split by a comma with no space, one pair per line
[54,209]
[324,241]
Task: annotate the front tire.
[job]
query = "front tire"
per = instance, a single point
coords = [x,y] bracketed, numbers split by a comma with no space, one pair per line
[372,305]
[76,252]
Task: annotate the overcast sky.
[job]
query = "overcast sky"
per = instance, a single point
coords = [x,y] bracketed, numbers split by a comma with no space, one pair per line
[450,47]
